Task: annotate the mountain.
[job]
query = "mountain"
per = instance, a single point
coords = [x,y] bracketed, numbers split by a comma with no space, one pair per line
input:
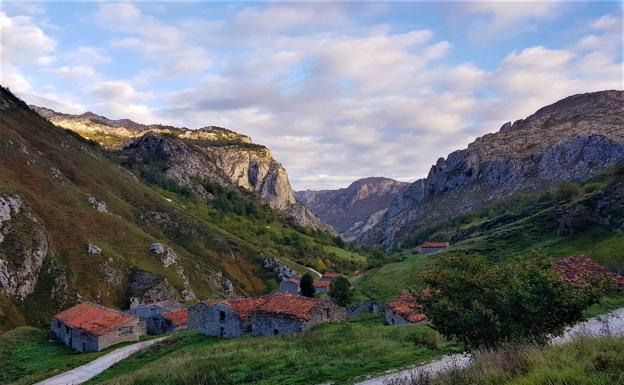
[76,224]
[573,139]
[355,209]
[190,158]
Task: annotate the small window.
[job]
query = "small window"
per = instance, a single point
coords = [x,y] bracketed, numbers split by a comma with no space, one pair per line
[327,313]
[126,330]
[275,332]
[221,315]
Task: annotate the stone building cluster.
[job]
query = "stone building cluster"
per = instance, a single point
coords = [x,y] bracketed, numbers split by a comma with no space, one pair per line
[273,314]
[161,317]
[321,286]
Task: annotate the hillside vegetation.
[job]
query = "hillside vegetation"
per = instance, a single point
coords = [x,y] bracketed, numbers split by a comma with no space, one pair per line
[61,193]
[583,219]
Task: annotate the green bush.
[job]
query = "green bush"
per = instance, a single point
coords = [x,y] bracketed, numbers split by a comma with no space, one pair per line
[567,191]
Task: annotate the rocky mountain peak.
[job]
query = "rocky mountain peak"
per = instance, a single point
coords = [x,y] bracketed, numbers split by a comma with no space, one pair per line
[573,139]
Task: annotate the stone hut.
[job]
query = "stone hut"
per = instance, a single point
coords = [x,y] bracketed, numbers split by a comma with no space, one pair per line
[280,313]
[404,310]
[175,320]
[88,327]
[322,287]
[433,247]
[293,314]
[153,312]
[329,277]
[229,318]
[290,285]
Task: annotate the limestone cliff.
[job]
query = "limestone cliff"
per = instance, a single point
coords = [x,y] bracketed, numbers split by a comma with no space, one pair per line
[210,153]
[574,139]
[356,208]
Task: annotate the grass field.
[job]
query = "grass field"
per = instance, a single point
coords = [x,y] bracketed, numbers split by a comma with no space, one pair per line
[330,352]
[585,361]
[28,355]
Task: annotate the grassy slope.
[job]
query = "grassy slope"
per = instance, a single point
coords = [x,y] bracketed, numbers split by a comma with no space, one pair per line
[27,355]
[330,352]
[585,361]
[531,231]
[206,240]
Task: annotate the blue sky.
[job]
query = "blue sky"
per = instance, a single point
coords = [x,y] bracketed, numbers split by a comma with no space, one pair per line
[337,91]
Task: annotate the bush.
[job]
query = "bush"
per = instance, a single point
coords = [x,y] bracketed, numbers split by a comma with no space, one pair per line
[591,187]
[485,306]
[425,337]
[567,191]
[341,291]
[307,285]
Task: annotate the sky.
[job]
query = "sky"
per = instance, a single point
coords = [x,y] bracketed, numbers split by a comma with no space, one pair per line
[337,91]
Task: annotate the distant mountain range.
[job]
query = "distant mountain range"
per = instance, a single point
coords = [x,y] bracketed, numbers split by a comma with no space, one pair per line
[355,209]
[574,139]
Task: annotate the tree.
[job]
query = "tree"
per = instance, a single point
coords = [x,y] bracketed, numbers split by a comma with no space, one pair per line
[306,284]
[487,305]
[341,291]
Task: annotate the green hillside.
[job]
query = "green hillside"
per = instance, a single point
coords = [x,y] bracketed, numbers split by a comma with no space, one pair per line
[522,227]
[54,172]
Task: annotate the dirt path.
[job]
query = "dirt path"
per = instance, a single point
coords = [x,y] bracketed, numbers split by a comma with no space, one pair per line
[611,324]
[85,372]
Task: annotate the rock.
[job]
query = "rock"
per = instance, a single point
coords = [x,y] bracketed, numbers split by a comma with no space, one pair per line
[93,249]
[99,206]
[23,247]
[145,287]
[280,269]
[505,127]
[168,257]
[157,248]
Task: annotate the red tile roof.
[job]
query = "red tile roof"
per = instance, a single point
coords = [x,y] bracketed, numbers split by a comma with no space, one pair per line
[322,284]
[93,319]
[582,270]
[407,307]
[292,280]
[434,245]
[281,303]
[289,305]
[177,317]
[331,275]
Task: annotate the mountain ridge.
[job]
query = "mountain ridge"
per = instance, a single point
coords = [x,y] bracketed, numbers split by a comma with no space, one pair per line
[573,139]
[353,209]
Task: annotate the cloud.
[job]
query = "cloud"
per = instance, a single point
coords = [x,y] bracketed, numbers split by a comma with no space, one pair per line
[23,42]
[76,73]
[502,19]
[87,55]
[116,90]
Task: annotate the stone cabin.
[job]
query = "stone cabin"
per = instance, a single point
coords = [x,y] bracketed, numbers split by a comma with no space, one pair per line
[273,314]
[152,313]
[329,277]
[290,285]
[404,310]
[432,247]
[175,320]
[322,287]
[88,327]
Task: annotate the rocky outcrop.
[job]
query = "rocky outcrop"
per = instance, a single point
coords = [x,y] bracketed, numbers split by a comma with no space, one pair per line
[99,206]
[210,153]
[93,249]
[355,209]
[279,268]
[23,247]
[166,255]
[145,287]
[572,140]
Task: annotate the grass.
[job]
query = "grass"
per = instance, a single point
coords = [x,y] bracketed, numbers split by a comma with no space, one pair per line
[584,361]
[331,352]
[608,303]
[28,355]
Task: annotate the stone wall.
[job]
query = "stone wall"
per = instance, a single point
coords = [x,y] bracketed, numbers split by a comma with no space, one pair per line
[218,320]
[266,324]
[394,319]
[368,306]
[289,287]
[85,342]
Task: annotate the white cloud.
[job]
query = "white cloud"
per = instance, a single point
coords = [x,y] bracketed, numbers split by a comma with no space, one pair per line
[116,90]
[23,42]
[608,23]
[87,55]
[76,73]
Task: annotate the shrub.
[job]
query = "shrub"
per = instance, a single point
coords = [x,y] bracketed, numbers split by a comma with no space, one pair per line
[567,191]
[341,291]
[485,306]
[307,285]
